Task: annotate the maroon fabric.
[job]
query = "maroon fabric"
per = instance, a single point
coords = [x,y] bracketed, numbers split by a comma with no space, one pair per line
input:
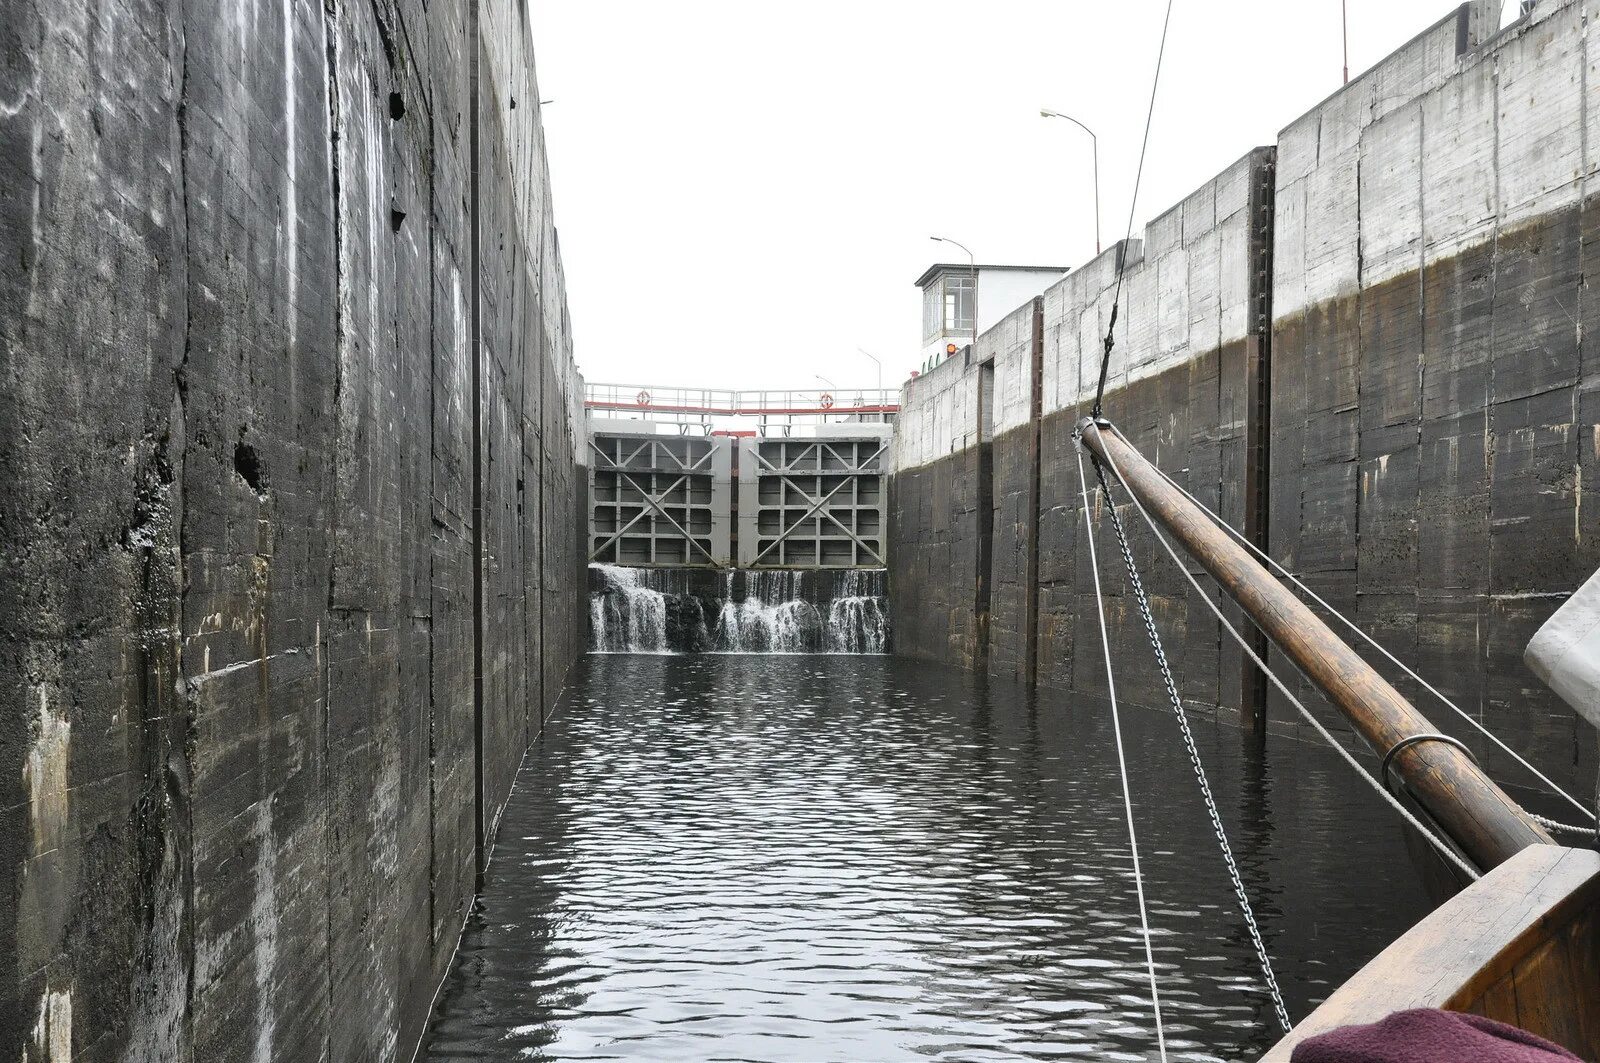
[1427,1035]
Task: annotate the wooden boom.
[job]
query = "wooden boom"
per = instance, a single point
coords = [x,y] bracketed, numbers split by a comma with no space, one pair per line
[1487,825]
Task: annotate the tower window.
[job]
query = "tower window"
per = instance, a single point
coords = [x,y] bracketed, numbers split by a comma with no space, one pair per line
[959,291]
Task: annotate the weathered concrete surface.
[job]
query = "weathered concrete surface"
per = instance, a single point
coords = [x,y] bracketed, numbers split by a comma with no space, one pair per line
[250,740]
[1177,388]
[933,559]
[1434,430]
[1434,366]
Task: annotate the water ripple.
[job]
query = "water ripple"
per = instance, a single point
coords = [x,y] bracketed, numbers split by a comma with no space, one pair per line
[834,858]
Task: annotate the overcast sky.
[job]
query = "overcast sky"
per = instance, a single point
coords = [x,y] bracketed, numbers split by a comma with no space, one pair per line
[745,190]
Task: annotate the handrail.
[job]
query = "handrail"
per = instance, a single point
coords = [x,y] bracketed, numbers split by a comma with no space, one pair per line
[1474,812]
[727,402]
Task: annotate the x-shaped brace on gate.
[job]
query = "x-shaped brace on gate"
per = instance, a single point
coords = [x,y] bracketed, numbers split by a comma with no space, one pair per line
[816,504]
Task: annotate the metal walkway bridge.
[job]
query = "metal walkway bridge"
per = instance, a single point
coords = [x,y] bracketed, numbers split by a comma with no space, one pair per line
[802,487]
[704,406]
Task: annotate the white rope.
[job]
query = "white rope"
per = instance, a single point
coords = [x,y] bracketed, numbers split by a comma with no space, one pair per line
[1122,767]
[1397,662]
[1438,843]
[1586,829]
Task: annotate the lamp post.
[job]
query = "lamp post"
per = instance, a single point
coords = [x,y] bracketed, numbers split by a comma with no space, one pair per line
[1094,143]
[1344,35]
[875,362]
[972,265]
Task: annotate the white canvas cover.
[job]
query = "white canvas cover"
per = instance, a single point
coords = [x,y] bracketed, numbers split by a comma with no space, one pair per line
[1565,652]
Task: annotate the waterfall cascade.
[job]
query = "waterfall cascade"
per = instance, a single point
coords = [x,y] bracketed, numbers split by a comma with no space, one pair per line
[633,610]
[858,621]
[627,615]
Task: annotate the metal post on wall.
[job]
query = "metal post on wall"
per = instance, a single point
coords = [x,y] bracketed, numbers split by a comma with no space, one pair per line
[1258,425]
[1030,609]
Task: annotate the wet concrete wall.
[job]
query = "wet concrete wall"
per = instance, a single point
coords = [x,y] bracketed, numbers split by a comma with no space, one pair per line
[1414,430]
[1189,314]
[1434,361]
[290,576]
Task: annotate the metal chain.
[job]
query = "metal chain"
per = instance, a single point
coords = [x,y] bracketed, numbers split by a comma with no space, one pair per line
[1444,848]
[1194,753]
[1122,768]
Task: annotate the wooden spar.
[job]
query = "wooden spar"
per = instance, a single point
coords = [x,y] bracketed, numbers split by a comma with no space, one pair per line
[1487,825]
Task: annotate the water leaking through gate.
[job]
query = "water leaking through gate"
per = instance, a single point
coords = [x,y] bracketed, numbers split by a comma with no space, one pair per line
[658,610]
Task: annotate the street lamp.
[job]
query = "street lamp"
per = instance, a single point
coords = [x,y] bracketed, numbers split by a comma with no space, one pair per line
[875,361]
[1344,33]
[1094,142]
[972,265]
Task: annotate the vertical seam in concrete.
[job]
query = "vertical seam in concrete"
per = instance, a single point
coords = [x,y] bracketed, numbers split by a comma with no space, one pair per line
[1489,379]
[181,430]
[433,575]
[1422,378]
[1219,400]
[1359,362]
[331,50]
[1583,270]
[539,494]
[474,344]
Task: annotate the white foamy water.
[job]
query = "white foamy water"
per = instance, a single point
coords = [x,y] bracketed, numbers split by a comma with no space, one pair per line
[628,617]
[654,611]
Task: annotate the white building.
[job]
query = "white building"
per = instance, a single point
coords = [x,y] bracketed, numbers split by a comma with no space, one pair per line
[948,290]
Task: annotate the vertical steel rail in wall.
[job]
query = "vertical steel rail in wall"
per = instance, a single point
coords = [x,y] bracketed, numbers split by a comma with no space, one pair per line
[983,515]
[475,343]
[1030,601]
[1253,686]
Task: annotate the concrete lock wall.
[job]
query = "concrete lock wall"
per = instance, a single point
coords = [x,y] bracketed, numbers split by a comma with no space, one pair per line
[1001,511]
[290,574]
[1367,346]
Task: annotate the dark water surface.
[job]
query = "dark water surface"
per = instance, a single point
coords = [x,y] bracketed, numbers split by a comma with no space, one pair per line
[863,858]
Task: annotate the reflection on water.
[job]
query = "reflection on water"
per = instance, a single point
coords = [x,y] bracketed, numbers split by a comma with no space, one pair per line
[863,858]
